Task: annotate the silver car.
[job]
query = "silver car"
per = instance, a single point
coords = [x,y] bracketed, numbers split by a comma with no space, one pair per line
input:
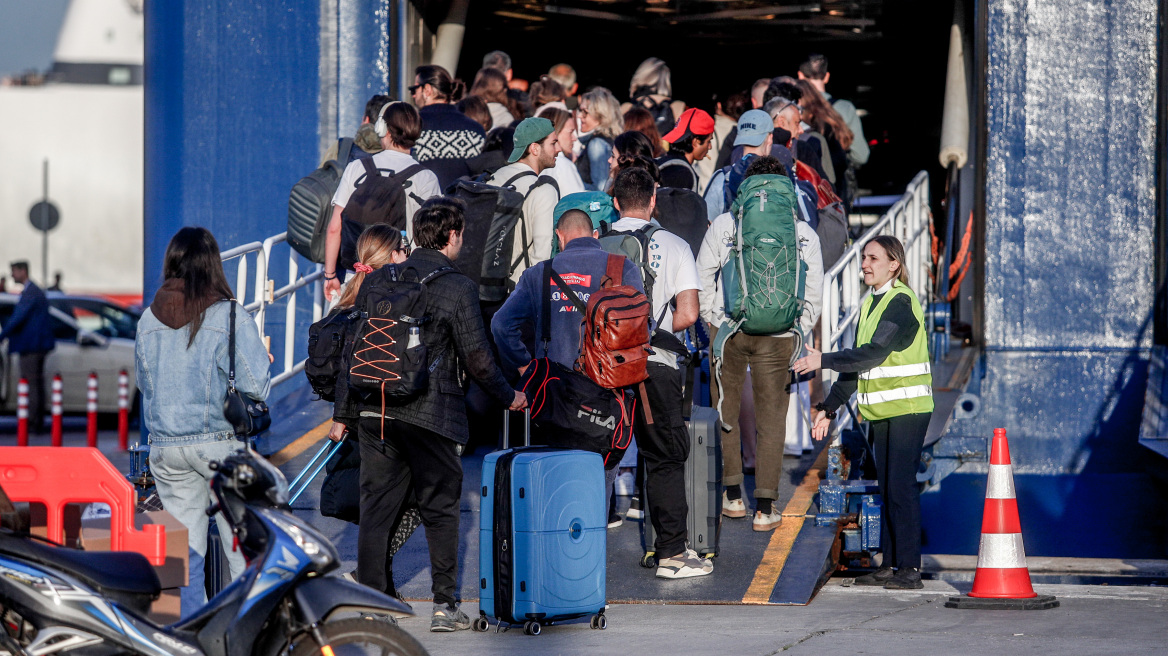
[93,335]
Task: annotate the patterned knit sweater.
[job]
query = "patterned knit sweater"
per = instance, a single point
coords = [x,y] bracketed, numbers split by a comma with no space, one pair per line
[449,138]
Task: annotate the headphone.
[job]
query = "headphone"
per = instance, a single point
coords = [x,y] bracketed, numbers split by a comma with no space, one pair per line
[380,127]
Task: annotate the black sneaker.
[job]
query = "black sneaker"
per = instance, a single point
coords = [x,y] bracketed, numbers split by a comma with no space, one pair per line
[879,577]
[905,579]
[445,619]
[615,520]
[635,511]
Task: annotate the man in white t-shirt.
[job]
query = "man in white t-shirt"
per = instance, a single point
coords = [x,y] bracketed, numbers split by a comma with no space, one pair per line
[664,443]
[529,172]
[399,126]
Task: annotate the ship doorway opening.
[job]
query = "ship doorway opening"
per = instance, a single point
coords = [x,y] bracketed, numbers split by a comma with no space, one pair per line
[888,58]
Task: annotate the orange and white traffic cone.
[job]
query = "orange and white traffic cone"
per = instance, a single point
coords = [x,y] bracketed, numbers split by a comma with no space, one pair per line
[1002,580]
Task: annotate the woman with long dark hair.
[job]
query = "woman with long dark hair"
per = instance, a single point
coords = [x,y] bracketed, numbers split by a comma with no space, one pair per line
[491,85]
[181,358]
[826,123]
[889,368]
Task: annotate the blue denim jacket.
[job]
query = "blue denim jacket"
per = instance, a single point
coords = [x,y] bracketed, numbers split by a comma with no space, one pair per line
[598,150]
[183,388]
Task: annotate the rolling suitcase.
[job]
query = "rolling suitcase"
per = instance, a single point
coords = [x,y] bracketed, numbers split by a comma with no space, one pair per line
[703,480]
[542,534]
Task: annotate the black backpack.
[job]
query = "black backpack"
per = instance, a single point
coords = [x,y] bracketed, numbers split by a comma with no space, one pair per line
[310,205]
[389,354]
[376,199]
[488,235]
[683,212]
[327,342]
[662,111]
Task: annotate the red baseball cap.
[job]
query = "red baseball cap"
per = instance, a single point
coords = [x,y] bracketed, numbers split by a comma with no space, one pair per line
[692,121]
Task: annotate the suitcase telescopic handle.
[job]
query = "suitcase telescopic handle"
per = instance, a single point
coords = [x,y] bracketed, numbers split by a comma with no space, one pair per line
[507,428]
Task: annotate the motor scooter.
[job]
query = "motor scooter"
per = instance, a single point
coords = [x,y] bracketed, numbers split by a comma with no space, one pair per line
[56,600]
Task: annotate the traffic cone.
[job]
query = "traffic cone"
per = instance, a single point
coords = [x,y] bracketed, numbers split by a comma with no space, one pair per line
[1002,581]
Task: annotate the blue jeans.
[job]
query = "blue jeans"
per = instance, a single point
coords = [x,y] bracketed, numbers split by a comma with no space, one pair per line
[183,477]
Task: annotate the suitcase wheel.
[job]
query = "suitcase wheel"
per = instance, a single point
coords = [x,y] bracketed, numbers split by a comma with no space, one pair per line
[598,621]
[480,624]
[531,628]
[649,560]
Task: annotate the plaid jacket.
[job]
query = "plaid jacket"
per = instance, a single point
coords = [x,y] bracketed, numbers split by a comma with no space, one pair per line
[456,330]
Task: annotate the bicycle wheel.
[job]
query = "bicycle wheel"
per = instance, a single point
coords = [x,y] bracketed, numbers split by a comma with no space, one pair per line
[361,637]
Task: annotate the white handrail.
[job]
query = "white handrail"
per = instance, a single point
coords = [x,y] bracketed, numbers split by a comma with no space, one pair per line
[843,285]
[264,293]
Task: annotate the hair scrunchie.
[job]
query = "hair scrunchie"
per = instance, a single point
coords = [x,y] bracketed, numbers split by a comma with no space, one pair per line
[362,268]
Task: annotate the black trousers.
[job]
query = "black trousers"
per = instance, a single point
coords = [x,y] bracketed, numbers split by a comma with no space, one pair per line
[897,443]
[664,445]
[32,369]
[430,463]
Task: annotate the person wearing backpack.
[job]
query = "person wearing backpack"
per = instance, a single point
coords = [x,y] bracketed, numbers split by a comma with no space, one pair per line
[365,140]
[670,279]
[385,188]
[689,142]
[417,439]
[752,340]
[652,88]
[582,264]
[754,134]
[529,172]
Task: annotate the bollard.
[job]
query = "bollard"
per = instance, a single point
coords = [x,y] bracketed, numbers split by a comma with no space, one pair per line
[22,413]
[91,409]
[58,388]
[123,410]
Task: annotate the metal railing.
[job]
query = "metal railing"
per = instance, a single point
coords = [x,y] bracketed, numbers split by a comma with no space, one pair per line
[264,294]
[844,290]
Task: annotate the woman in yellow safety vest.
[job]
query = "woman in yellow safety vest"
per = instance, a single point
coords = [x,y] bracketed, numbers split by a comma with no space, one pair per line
[889,368]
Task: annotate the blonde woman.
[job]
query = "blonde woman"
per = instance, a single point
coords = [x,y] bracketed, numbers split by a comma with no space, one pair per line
[889,367]
[600,122]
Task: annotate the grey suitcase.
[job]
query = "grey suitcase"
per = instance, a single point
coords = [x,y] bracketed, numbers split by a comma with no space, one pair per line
[703,484]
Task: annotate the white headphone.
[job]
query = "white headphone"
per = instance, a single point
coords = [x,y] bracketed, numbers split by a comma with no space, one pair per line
[380,127]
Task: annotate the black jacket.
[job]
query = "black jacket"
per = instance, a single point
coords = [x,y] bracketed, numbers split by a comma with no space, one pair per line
[456,329]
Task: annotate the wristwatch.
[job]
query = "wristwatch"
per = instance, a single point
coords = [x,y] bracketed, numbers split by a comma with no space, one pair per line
[821,406]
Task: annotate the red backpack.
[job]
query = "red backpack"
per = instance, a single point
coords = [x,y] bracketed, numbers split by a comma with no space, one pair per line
[614,330]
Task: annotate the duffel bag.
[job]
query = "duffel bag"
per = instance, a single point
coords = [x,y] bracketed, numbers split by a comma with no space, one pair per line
[570,411]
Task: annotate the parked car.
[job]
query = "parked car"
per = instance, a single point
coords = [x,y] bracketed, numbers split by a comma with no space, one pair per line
[93,335]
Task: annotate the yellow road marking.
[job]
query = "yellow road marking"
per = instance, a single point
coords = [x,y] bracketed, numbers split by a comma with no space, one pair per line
[294,449]
[775,556]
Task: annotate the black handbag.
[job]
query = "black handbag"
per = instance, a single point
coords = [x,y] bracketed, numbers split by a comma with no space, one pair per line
[248,416]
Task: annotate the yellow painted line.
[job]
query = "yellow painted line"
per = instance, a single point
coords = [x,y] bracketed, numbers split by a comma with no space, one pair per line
[766,575]
[294,449]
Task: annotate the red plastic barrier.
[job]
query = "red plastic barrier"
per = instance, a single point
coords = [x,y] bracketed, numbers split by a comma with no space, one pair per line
[57,477]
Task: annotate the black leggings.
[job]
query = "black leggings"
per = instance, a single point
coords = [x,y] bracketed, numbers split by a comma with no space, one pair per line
[897,443]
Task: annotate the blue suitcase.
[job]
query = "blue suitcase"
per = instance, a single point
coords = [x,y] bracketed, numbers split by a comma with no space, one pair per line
[542,533]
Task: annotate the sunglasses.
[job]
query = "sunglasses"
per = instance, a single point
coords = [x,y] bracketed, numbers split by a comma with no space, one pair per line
[414,88]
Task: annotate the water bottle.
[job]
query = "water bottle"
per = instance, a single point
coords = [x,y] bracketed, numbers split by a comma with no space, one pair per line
[415,337]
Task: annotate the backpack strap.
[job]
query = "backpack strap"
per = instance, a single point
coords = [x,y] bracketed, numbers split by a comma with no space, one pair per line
[409,172]
[544,180]
[546,308]
[344,151]
[370,169]
[522,174]
[614,272]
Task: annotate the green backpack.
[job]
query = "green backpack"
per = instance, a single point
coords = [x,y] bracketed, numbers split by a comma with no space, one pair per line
[764,280]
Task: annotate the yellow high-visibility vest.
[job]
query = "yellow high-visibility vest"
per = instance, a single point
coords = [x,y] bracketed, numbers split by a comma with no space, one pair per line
[903,383]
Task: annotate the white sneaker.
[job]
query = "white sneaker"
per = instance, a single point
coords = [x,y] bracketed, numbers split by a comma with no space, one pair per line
[733,507]
[684,565]
[769,521]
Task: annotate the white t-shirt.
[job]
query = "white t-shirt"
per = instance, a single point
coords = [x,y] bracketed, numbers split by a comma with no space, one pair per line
[423,184]
[567,176]
[673,262]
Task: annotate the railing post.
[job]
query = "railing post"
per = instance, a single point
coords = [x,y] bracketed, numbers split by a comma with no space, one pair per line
[290,313]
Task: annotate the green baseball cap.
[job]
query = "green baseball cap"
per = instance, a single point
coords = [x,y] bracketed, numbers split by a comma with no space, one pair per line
[531,130]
